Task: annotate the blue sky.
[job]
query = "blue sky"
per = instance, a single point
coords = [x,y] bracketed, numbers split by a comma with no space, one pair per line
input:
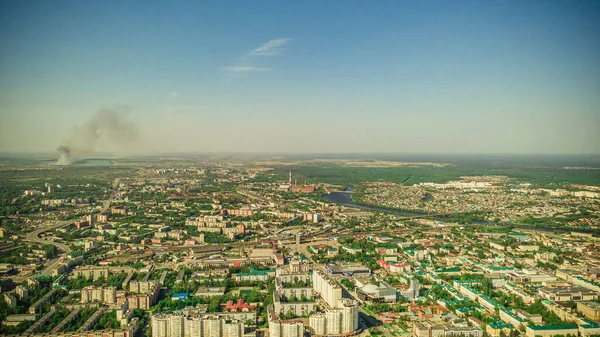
[306,76]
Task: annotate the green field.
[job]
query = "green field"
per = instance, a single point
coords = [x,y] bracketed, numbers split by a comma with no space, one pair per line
[343,175]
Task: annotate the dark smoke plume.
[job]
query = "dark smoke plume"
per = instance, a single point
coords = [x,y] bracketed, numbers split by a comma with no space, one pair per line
[107,125]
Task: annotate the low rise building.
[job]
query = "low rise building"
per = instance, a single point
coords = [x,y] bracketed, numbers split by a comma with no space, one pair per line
[551,330]
[565,294]
[589,309]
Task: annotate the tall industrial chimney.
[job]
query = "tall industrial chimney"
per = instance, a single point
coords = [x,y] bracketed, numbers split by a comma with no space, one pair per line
[290,182]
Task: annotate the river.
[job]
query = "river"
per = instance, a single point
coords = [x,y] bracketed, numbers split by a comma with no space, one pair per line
[345,199]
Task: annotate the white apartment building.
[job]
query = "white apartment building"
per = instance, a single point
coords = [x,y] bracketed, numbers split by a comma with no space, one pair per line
[179,325]
[330,290]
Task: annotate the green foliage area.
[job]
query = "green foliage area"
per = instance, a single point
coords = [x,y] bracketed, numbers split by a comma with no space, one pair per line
[13,330]
[548,317]
[60,314]
[84,315]
[378,308]
[113,280]
[210,237]
[261,292]
[108,321]
[213,303]
[50,251]
[138,265]
[75,182]
[14,257]
[547,265]
[348,284]
[34,295]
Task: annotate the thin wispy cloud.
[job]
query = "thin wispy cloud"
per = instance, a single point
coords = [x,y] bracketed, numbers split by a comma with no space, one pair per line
[273,47]
[245,64]
[246,69]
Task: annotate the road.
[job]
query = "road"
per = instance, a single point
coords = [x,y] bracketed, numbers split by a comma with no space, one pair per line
[112,196]
[34,236]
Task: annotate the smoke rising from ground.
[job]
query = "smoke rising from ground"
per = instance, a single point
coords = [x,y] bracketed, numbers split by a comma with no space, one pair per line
[105,126]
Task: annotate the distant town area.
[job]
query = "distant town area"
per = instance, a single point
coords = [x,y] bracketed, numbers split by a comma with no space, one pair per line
[232,246]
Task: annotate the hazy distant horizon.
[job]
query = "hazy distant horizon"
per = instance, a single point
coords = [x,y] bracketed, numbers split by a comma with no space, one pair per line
[332,155]
[499,160]
[301,77]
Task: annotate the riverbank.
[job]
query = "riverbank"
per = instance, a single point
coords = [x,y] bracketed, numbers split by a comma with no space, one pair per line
[344,198]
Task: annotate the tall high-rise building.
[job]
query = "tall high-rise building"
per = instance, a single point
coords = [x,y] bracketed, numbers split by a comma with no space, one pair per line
[176,322]
[333,321]
[293,328]
[233,330]
[414,288]
[349,315]
[194,326]
[212,327]
[160,326]
[329,289]
[317,324]
[197,326]
[274,328]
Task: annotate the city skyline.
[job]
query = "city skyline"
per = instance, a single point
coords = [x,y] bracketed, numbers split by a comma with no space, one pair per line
[391,77]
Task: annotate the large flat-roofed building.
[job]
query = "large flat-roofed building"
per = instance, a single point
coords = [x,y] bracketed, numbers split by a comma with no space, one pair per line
[346,269]
[382,293]
[255,275]
[590,310]
[518,277]
[564,294]
[527,276]
[548,331]
[428,330]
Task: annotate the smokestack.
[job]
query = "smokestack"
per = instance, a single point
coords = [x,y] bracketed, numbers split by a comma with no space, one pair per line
[106,125]
[290,182]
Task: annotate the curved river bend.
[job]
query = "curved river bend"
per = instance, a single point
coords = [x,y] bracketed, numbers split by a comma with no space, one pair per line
[344,198]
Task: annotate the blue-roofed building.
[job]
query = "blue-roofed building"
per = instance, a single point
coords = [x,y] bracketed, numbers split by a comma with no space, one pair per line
[179,296]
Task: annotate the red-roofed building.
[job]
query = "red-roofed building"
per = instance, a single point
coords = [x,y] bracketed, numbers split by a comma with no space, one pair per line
[239,306]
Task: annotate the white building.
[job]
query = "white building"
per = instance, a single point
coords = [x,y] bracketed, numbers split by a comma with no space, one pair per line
[317,324]
[329,289]
[349,316]
[196,326]
[333,322]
